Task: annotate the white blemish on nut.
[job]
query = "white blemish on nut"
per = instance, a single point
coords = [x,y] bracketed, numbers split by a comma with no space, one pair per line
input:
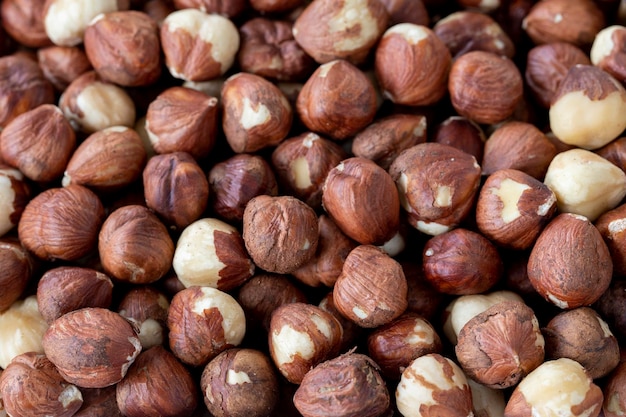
[429,252]
[289,342]
[443,196]
[103,105]
[432,228]
[422,334]
[557,301]
[606,331]
[300,171]
[7,197]
[603,44]
[359,312]
[353,14]
[325,68]
[254,115]
[617,226]
[403,185]
[544,208]
[237,378]
[420,129]
[309,139]
[69,396]
[233,317]
[412,33]
[130,359]
[558,18]
[510,192]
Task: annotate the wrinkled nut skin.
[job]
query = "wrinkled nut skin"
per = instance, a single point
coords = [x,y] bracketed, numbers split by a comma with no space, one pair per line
[371,289]
[614,398]
[485,87]
[23,21]
[99,402]
[135,246]
[611,307]
[338,100]
[570,265]
[351,332]
[141,391]
[614,152]
[461,262]
[256,114]
[17,266]
[176,188]
[240,382]
[68,288]
[513,208]
[229,8]
[612,227]
[347,385]
[501,345]
[407,11]
[357,186]
[31,385]
[62,64]
[91,347]
[280,233]
[607,51]
[147,307]
[62,223]
[421,64]
[462,133]
[422,297]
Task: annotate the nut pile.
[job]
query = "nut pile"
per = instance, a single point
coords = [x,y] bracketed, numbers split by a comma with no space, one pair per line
[333,208]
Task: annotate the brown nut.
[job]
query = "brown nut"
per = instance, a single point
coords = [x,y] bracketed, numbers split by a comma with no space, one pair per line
[614,398]
[91,347]
[147,307]
[275,6]
[407,11]
[607,51]
[462,133]
[23,20]
[611,307]
[21,318]
[228,8]
[15,194]
[422,297]
[17,267]
[612,226]
[614,152]
[99,402]
[62,64]
[351,332]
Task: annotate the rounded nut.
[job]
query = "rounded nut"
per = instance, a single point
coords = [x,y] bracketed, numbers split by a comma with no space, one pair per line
[407,11]
[610,306]
[23,21]
[62,64]
[462,133]
[612,225]
[607,51]
[614,398]
[17,267]
[148,308]
[23,319]
[228,8]
[15,193]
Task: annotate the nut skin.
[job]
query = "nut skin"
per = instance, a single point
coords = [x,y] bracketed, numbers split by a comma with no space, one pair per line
[611,307]
[229,8]
[357,186]
[275,6]
[99,402]
[141,391]
[614,152]
[240,382]
[148,307]
[462,133]
[407,11]
[17,266]
[91,347]
[347,385]
[611,227]
[614,399]
[501,345]
[61,223]
[23,21]
[351,332]
[607,51]
[16,192]
[423,299]
[570,265]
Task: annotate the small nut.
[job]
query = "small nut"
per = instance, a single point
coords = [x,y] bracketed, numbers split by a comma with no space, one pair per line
[23,20]
[462,133]
[612,226]
[148,307]
[610,306]
[407,11]
[62,64]
[17,267]
[15,193]
[607,51]
[614,398]
[228,8]
[22,328]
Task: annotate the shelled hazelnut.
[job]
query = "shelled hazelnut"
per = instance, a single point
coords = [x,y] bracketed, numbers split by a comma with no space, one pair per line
[22,328]
[148,308]
[15,193]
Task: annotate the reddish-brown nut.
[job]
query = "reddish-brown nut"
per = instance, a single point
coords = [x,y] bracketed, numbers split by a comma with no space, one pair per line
[461,261]
[240,382]
[348,385]
[15,193]
[570,265]
[229,8]
[462,133]
[338,100]
[68,288]
[62,64]
[135,246]
[275,6]
[610,306]
[256,114]
[141,391]
[23,20]
[437,185]
[372,288]
[485,87]
[91,347]
[607,51]
[614,152]
[300,337]
[614,394]
[421,64]
[280,233]
[99,402]
[329,30]
[351,332]
[32,386]
[501,345]
[513,208]
[176,188]
[17,267]
[62,223]
[422,297]
[407,11]
[148,307]
[159,9]
[612,227]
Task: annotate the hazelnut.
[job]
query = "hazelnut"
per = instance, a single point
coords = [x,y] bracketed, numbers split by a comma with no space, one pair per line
[407,11]
[570,265]
[91,347]
[610,306]
[351,332]
[22,328]
[607,51]
[614,398]
[17,268]
[23,21]
[210,252]
[62,64]
[614,152]
[275,6]
[229,8]
[462,133]
[347,385]
[482,5]
[612,225]
[422,297]
[15,194]
[99,402]
[240,382]
[486,402]
[147,307]
[158,9]
[142,391]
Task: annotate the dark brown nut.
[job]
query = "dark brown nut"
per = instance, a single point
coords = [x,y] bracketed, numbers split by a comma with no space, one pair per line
[31,386]
[280,233]
[338,100]
[237,180]
[537,393]
[99,402]
[256,115]
[135,246]
[124,47]
[275,6]
[467,30]
[347,385]
[21,318]
[351,332]
[520,146]
[407,11]
[142,392]
[547,65]
[362,199]
[513,208]
[372,289]
[433,384]
[462,133]
[614,152]
[481,5]
[570,265]
[176,188]
[91,104]
[23,20]
[91,347]
[614,398]
[107,160]
[302,163]
[62,64]
[202,323]
[17,268]
[229,8]
[22,87]
[563,21]
[582,335]
[68,288]
[181,119]
[501,345]
[328,30]
[421,64]
[240,382]
[268,49]
[198,45]
[210,252]
[300,337]
[607,51]
[612,227]
[610,306]
[422,297]
[437,184]
[62,223]
[384,139]
[461,261]
[148,307]
[158,9]
[485,87]
[15,193]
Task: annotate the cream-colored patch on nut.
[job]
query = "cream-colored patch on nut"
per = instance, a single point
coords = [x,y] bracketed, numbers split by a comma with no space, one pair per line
[558,18]
[322,326]
[309,139]
[402,184]
[603,44]
[150,333]
[7,198]
[103,105]
[544,208]
[411,32]
[420,129]
[237,378]
[539,340]
[443,196]
[254,114]
[66,20]
[510,192]
[359,312]
[324,69]
[353,14]
[130,359]
[300,172]
[613,404]
[306,244]
[395,245]
[606,331]
[70,395]
[432,228]
[489,5]
[557,301]
[288,343]
[422,334]
[616,227]
[340,167]
[21,330]
[233,317]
